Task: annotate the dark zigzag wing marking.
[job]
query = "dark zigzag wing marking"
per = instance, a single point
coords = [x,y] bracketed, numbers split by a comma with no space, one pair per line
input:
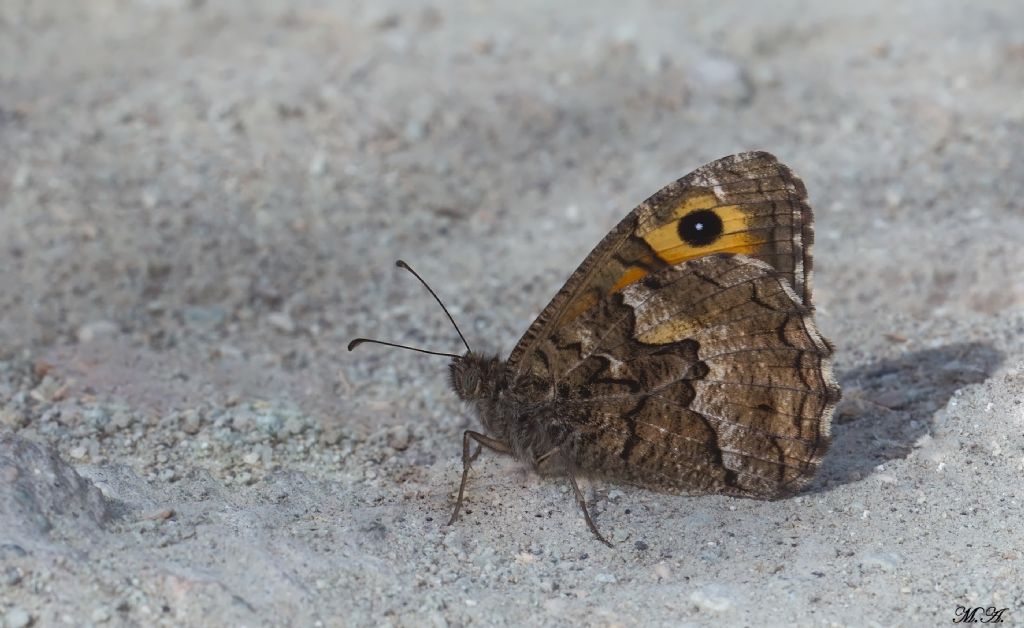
[737,462]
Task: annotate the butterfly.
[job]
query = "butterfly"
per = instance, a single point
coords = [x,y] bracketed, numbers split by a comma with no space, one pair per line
[681,356]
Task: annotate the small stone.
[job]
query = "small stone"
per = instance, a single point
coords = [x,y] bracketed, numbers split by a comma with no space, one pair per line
[886,561]
[399,437]
[159,515]
[268,422]
[120,420]
[606,578]
[201,316]
[294,425]
[96,330]
[78,452]
[281,322]
[714,597]
[12,577]
[318,164]
[101,615]
[49,390]
[413,131]
[190,422]
[168,475]
[525,558]
[251,458]
[662,571]
[17,618]
[13,418]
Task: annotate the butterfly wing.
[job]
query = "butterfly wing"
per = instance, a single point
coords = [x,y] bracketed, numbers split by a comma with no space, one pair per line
[707,376]
[747,203]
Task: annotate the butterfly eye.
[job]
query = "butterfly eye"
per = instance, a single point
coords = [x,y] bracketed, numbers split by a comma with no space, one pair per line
[700,228]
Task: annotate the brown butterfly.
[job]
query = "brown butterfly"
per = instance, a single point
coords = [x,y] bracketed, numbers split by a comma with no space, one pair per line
[681,355]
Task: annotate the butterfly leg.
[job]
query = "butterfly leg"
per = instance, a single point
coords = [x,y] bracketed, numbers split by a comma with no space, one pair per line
[482,440]
[583,506]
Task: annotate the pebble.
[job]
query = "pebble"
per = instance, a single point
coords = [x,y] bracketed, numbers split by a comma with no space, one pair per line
[13,418]
[96,330]
[121,419]
[159,515]
[713,597]
[101,615]
[49,390]
[78,452]
[17,618]
[886,561]
[281,322]
[606,578]
[12,577]
[251,458]
[294,425]
[200,316]
[190,422]
[268,422]
[399,437]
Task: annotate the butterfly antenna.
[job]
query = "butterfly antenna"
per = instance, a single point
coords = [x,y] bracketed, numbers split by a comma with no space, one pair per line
[358,341]
[402,264]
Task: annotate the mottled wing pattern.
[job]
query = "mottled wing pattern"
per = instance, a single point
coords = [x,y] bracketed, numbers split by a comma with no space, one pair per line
[708,376]
[747,203]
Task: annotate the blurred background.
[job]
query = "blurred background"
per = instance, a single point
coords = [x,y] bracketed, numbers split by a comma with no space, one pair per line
[201,202]
[250,170]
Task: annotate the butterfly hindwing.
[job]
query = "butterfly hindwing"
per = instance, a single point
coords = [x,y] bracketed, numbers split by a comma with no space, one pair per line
[706,376]
[747,203]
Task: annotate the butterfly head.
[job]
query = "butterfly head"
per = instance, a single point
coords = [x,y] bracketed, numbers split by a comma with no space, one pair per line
[474,376]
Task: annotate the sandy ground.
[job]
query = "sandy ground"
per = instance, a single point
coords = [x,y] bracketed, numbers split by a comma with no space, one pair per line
[201,202]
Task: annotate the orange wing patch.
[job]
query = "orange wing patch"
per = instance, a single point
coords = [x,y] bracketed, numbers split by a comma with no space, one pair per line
[698,225]
[669,245]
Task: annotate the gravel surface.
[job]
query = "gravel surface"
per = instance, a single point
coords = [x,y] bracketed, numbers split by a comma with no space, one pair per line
[201,203]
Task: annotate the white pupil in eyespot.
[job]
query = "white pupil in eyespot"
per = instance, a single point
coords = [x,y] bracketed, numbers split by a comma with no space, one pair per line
[699,226]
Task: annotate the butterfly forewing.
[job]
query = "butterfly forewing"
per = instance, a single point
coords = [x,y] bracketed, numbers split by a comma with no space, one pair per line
[747,203]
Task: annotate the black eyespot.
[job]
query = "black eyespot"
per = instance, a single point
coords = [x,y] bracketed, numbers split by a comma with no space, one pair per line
[700,228]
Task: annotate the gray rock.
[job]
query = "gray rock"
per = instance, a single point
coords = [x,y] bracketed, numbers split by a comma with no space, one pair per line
[39,491]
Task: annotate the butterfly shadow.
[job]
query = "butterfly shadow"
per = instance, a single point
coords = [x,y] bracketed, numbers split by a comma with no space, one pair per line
[888,405]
